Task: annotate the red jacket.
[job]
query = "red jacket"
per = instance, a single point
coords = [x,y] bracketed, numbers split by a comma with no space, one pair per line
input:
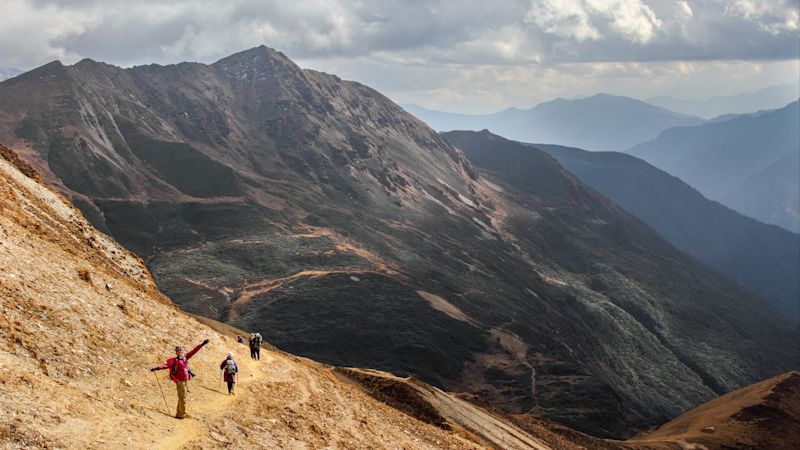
[181,372]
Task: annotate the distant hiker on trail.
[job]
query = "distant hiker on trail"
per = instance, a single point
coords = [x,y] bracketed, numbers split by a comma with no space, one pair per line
[229,370]
[239,339]
[255,345]
[179,373]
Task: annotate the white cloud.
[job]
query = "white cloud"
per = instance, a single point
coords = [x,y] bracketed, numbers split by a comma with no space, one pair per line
[39,35]
[684,8]
[585,19]
[774,17]
[630,18]
[566,18]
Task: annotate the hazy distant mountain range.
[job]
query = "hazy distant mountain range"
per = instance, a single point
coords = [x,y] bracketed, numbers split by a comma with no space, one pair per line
[8,72]
[763,258]
[320,213]
[599,122]
[749,163]
[769,98]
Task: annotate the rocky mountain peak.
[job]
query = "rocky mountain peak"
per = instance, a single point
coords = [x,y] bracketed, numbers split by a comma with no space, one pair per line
[49,70]
[89,62]
[257,63]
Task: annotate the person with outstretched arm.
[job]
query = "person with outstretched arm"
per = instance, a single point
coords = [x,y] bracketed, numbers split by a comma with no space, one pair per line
[179,373]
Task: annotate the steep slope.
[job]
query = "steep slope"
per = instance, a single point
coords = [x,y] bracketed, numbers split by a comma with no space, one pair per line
[82,322]
[737,157]
[320,213]
[763,258]
[528,177]
[599,122]
[765,415]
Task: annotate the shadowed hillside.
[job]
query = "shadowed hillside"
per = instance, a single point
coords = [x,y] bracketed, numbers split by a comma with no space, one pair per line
[763,258]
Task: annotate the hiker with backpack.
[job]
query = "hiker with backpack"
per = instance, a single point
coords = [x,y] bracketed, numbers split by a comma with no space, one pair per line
[255,345]
[180,374]
[229,370]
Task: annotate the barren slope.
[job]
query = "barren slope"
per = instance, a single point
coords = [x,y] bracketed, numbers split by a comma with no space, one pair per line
[765,415]
[81,322]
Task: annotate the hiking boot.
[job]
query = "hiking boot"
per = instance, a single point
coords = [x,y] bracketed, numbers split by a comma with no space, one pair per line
[185,416]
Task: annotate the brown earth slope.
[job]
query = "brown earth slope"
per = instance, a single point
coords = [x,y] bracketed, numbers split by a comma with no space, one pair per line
[765,415]
[81,321]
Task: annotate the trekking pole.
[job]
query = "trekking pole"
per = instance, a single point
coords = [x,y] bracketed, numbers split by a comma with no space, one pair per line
[220,380]
[162,393]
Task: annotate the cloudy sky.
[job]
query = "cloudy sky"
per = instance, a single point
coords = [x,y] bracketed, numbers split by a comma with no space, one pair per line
[469,56]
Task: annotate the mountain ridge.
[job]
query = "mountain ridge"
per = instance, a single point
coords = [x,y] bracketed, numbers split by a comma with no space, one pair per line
[764,258]
[772,97]
[597,122]
[716,158]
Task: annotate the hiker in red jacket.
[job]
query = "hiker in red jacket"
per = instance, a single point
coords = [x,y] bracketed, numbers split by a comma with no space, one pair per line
[179,372]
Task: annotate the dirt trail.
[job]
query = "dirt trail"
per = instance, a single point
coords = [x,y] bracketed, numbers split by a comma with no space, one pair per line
[264,286]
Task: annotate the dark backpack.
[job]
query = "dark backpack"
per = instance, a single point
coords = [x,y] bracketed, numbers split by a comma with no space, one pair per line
[230,367]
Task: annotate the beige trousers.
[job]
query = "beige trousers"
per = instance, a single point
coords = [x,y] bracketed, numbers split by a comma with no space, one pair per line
[181,413]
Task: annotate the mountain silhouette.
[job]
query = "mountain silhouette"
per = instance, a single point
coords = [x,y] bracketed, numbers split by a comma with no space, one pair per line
[744,163]
[599,122]
[772,97]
